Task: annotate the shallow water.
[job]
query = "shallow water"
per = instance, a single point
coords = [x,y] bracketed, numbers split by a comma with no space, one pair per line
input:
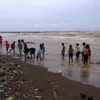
[53,60]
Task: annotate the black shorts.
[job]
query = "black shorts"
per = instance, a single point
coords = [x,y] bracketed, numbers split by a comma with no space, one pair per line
[85,57]
[70,55]
[7,49]
[77,54]
[26,50]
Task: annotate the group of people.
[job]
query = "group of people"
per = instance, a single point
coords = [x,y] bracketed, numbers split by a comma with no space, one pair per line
[86,52]
[22,47]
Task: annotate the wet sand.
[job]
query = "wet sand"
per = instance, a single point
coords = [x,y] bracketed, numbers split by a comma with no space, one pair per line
[37,81]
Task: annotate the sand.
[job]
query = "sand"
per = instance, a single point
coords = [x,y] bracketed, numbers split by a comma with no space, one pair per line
[37,81]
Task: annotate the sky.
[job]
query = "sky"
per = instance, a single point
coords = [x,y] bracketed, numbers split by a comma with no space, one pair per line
[49,15]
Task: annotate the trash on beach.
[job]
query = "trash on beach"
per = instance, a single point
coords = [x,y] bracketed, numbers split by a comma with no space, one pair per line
[10,98]
[2,79]
[39,97]
[55,93]
[55,90]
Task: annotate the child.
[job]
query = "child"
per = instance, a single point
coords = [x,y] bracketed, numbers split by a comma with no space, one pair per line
[7,46]
[77,51]
[85,52]
[84,45]
[89,52]
[12,47]
[70,52]
[43,48]
[63,50]
[25,48]
[40,51]
[20,47]
[1,40]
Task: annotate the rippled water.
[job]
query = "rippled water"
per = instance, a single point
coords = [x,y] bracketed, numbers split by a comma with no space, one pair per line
[53,60]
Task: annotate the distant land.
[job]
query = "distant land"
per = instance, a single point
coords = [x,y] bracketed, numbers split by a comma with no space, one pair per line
[41,31]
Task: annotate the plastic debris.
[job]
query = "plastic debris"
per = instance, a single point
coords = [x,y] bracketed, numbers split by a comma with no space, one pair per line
[39,97]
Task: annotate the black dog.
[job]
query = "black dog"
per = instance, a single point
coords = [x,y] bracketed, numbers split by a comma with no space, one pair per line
[31,50]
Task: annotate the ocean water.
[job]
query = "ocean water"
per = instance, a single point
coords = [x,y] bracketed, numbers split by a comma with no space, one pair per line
[53,60]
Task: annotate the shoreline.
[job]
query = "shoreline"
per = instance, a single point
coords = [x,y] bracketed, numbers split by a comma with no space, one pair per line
[38,82]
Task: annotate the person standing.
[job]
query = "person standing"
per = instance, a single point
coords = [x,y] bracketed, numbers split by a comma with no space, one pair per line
[1,40]
[7,46]
[40,51]
[43,48]
[89,52]
[19,45]
[71,53]
[12,47]
[84,45]
[63,49]
[25,47]
[85,52]
[77,51]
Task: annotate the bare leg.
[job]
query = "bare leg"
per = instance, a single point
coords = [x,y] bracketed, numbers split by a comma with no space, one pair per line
[69,59]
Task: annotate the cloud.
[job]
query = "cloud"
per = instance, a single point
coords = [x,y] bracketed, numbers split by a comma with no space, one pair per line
[60,24]
[36,25]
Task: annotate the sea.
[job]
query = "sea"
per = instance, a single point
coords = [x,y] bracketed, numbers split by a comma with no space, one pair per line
[53,60]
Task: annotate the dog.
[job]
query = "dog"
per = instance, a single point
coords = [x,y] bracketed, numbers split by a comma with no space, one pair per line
[30,51]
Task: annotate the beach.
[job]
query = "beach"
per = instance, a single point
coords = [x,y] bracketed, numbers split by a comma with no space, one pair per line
[37,81]
[54,71]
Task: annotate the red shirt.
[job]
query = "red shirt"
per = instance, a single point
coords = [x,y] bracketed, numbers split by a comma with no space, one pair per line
[7,45]
[0,40]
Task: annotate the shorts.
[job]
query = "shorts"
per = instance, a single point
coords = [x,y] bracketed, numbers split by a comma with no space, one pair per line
[77,54]
[70,55]
[63,52]
[20,49]
[85,58]
[7,49]
[26,50]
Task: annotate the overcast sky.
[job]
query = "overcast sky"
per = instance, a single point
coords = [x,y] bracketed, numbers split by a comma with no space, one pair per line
[49,15]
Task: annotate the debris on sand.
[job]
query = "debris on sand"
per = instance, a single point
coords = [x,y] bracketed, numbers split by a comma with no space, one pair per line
[9,71]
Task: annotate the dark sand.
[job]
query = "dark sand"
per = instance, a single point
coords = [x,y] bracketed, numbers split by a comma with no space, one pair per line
[36,81]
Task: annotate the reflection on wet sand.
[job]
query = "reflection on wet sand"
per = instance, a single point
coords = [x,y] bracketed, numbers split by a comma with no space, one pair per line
[84,73]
